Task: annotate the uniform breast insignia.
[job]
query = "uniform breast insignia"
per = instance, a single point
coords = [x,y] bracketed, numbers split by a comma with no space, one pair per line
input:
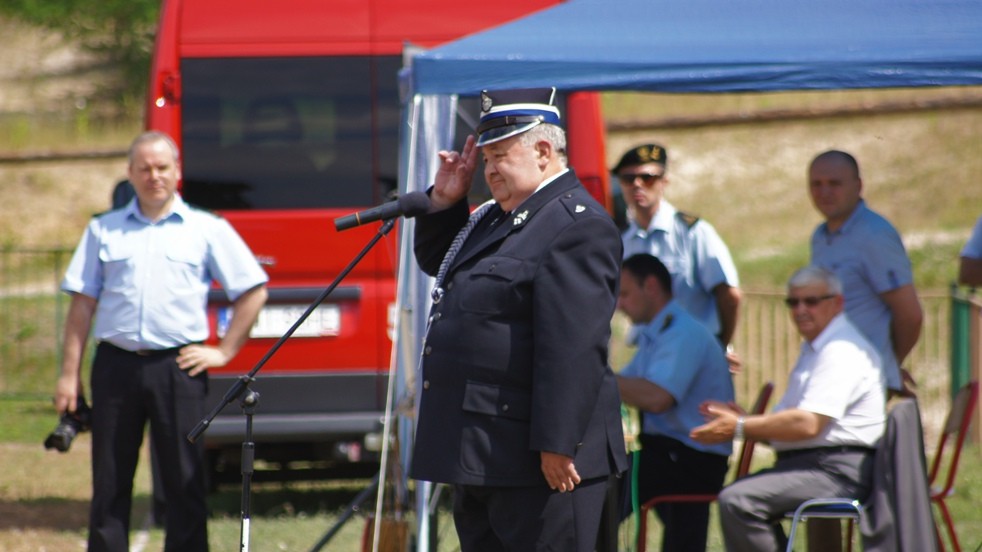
[520,218]
[580,208]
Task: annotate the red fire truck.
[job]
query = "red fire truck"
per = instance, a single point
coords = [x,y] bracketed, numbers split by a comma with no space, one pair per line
[287,114]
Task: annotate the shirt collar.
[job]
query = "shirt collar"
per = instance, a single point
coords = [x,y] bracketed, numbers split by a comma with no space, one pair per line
[545,183]
[178,209]
[661,320]
[850,222]
[662,221]
[835,325]
[549,180]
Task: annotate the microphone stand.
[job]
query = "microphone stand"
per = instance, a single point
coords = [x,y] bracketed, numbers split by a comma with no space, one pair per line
[250,399]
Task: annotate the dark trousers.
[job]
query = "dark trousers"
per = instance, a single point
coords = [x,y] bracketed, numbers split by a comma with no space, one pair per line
[128,390]
[529,519]
[667,467]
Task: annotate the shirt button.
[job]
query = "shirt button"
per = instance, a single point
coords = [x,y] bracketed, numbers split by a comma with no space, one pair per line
[426,384]
[449,286]
[504,408]
[427,350]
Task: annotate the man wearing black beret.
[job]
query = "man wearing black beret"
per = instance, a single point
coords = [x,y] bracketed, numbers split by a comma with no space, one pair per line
[704,277]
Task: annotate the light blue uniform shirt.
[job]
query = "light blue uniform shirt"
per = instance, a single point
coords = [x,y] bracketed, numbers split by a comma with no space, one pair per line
[868,257]
[151,279]
[678,354]
[973,247]
[695,256]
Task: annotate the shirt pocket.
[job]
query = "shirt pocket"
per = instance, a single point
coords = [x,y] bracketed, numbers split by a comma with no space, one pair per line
[184,265]
[491,286]
[496,431]
[118,265]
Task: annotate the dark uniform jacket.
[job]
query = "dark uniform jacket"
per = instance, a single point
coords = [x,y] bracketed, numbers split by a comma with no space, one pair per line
[515,361]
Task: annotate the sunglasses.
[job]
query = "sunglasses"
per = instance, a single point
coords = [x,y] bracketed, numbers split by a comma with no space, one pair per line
[809,301]
[648,179]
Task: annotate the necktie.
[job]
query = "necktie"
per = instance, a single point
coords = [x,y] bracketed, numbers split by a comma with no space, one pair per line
[455,245]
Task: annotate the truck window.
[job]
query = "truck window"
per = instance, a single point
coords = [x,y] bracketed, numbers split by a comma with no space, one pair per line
[256,137]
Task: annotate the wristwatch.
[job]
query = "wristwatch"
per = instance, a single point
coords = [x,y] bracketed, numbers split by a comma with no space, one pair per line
[738,432]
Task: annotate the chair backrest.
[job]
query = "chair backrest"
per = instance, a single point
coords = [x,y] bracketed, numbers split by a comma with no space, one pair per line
[956,426]
[759,407]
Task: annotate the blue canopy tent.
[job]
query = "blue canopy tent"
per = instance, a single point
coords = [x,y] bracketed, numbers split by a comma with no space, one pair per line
[712,46]
[657,45]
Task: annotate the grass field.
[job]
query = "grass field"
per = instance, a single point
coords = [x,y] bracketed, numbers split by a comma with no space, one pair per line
[44,500]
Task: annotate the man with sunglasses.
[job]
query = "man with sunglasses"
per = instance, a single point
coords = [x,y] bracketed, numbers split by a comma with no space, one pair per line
[866,253]
[704,278]
[825,428]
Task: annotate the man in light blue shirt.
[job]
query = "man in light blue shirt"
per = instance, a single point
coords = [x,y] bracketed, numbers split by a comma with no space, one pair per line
[970,263]
[865,251]
[678,366]
[704,278]
[142,273]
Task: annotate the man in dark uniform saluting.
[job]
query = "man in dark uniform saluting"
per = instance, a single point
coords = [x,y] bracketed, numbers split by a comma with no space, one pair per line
[518,409]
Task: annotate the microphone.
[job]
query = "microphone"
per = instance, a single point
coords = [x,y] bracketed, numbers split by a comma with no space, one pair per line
[408,205]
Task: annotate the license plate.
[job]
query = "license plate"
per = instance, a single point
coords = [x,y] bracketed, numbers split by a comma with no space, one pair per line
[275,320]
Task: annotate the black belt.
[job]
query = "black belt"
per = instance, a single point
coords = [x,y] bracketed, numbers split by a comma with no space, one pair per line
[146,352]
[786,454]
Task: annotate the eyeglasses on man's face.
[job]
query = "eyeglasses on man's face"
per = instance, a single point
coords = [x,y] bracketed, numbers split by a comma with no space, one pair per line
[809,301]
[647,179]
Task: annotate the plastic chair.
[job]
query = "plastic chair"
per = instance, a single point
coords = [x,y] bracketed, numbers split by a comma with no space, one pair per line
[826,508]
[743,468]
[956,425]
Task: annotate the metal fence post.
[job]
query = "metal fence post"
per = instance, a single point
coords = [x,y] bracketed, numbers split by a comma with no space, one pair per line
[960,340]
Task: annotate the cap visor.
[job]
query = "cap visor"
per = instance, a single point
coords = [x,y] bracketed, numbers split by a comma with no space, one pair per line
[500,133]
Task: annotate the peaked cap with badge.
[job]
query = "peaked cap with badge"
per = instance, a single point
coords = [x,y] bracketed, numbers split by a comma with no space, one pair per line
[507,113]
[640,155]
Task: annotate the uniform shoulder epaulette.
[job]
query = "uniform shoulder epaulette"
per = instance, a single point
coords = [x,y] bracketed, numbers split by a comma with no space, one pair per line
[668,322]
[575,205]
[690,220]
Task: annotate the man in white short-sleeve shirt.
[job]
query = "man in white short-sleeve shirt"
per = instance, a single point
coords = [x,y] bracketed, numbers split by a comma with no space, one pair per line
[825,428]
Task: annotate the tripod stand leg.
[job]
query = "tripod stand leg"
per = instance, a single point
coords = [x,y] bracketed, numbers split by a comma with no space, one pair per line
[249,403]
[348,513]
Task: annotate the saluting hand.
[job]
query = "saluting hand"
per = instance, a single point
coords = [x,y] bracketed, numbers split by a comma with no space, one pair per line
[453,179]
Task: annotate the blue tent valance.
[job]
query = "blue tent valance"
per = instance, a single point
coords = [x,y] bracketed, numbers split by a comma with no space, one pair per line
[716,46]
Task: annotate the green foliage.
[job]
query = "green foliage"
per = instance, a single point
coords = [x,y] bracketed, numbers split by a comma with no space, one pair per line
[119,32]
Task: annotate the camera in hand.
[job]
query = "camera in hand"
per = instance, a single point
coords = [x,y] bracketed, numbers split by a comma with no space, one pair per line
[70,425]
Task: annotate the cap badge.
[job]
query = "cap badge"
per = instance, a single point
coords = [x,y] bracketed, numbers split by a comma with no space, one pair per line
[649,154]
[520,218]
[485,102]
